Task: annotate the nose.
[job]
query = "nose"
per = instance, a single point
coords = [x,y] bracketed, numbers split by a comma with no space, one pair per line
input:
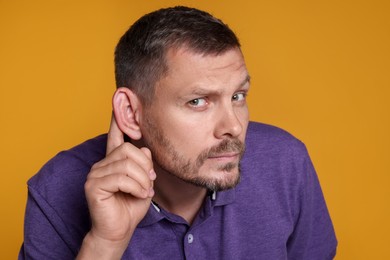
[228,123]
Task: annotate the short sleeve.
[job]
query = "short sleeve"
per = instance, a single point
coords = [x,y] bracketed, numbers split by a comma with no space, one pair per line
[313,237]
[42,239]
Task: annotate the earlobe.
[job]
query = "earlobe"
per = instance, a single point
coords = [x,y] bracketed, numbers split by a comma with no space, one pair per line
[127,106]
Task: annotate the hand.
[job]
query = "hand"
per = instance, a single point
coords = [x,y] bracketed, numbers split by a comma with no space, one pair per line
[119,190]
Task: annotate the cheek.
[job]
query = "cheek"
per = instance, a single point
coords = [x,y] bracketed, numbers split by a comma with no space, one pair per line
[187,128]
[244,120]
[243,116]
[189,139]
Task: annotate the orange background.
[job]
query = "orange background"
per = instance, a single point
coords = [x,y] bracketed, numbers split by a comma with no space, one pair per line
[320,69]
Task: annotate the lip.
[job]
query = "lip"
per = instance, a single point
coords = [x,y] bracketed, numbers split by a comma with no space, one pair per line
[224,157]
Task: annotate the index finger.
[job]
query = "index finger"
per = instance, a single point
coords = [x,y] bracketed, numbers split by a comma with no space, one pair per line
[115,136]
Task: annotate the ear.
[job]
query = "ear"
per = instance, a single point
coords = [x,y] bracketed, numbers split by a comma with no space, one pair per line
[127,108]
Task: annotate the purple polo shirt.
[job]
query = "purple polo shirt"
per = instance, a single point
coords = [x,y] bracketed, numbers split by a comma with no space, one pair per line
[277,211]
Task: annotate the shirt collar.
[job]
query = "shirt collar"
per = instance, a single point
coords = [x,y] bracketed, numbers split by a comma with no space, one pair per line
[152,216]
[222,198]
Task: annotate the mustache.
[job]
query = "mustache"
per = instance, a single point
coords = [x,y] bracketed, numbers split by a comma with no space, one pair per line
[226,146]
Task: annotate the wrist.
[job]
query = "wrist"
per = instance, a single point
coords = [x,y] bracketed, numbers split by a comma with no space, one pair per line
[95,247]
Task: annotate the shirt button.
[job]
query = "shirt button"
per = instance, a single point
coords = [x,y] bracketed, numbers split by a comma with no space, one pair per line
[190,238]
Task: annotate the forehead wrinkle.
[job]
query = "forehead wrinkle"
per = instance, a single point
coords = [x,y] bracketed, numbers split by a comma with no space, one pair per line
[199,90]
[203,91]
[210,82]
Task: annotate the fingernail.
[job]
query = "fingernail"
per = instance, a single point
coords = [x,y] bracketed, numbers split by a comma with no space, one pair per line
[152,174]
[151,192]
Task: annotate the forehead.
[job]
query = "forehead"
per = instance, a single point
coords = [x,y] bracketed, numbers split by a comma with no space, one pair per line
[188,70]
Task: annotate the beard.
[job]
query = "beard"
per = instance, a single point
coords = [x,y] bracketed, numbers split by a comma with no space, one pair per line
[170,160]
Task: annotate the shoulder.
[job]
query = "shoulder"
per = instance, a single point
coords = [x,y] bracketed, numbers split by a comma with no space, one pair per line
[274,158]
[69,167]
[268,139]
[274,169]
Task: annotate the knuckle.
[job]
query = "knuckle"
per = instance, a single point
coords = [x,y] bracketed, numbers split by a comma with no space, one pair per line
[93,171]
[126,146]
[89,186]
[121,180]
[95,166]
[127,166]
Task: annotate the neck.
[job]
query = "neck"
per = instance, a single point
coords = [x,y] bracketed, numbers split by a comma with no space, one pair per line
[178,197]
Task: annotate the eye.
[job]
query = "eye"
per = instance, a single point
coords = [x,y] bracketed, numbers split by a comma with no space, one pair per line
[239,96]
[198,102]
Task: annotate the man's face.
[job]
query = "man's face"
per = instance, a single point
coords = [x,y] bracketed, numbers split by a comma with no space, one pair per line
[197,122]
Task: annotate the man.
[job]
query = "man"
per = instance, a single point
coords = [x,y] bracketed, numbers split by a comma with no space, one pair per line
[171,179]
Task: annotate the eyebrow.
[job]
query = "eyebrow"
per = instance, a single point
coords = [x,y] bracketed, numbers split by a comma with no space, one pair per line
[204,91]
[246,80]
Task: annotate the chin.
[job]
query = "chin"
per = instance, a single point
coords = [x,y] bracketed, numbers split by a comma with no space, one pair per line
[223,185]
[223,179]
